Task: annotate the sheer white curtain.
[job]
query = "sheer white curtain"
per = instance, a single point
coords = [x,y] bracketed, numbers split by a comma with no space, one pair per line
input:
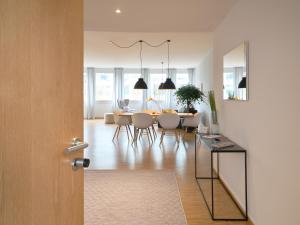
[171,99]
[118,85]
[90,91]
[190,72]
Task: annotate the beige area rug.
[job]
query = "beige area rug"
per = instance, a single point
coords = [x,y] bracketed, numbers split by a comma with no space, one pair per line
[132,198]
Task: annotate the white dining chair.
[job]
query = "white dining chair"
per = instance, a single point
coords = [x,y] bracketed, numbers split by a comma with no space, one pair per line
[169,122]
[142,122]
[122,121]
[154,119]
[192,121]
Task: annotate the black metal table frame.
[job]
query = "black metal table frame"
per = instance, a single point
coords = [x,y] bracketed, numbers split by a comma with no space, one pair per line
[211,211]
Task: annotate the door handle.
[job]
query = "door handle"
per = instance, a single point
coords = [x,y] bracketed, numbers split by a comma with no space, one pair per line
[76,145]
[80,163]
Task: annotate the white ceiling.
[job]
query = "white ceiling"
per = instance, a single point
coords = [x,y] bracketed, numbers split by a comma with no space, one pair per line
[188,23]
[186,49]
[155,15]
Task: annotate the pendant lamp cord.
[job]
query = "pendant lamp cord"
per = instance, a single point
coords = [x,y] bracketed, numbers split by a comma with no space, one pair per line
[141,57]
[141,49]
[168,41]
[129,46]
[155,46]
[134,43]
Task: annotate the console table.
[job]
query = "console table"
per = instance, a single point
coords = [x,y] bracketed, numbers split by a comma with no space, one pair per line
[213,150]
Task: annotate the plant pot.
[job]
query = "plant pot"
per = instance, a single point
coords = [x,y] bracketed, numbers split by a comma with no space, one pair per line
[214,129]
[193,110]
[190,110]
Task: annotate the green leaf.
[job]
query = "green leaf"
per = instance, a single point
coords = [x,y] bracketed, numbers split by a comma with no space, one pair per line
[188,95]
[212,103]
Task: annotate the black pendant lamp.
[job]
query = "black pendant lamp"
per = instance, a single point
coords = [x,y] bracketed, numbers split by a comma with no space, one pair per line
[243,83]
[162,72]
[168,85]
[141,84]
[161,86]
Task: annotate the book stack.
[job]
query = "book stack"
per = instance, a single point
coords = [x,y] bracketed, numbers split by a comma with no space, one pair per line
[222,144]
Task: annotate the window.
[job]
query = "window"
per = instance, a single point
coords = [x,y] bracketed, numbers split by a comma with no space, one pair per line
[128,92]
[228,83]
[182,79]
[104,86]
[155,80]
[231,78]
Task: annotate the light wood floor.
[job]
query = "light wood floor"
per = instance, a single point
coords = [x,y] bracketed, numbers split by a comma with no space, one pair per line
[121,155]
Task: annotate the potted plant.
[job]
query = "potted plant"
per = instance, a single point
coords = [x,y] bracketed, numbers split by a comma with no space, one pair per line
[188,95]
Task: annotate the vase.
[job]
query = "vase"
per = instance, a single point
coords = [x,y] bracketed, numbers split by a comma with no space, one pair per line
[214,126]
[214,117]
[214,129]
[190,109]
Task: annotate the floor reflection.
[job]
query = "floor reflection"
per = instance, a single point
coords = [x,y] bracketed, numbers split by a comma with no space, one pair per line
[121,153]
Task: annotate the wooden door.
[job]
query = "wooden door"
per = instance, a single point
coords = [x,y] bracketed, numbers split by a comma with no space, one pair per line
[41,64]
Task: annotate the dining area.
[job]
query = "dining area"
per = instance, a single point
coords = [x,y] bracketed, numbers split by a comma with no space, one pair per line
[153,124]
[146,103]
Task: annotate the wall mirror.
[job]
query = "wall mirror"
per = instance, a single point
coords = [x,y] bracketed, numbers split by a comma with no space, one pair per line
[235,73]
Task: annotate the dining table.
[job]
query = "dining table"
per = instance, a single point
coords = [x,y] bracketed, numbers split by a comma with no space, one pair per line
[156,114]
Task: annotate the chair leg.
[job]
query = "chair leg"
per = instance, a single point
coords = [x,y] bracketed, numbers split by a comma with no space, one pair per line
[135,134]
[115,132]
[179,133]
[148,135]
[162,136]
[118,131]
[149,131]
[154,131]
[176,134]
[129,130]
[185,130]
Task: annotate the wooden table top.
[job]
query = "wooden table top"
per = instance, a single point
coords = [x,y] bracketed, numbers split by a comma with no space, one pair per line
[156,114]
[185,114]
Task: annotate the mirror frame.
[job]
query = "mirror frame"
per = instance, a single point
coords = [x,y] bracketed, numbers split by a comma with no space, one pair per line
[246,58]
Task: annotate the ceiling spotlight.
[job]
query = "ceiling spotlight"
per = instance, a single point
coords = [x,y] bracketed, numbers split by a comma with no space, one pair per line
[118,11]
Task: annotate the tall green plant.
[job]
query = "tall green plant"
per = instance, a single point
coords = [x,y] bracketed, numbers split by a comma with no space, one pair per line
[212,103]
[188,95]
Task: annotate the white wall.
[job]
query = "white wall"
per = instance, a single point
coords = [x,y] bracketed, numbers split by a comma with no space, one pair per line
[268,124]
[102,107]
[204,79]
